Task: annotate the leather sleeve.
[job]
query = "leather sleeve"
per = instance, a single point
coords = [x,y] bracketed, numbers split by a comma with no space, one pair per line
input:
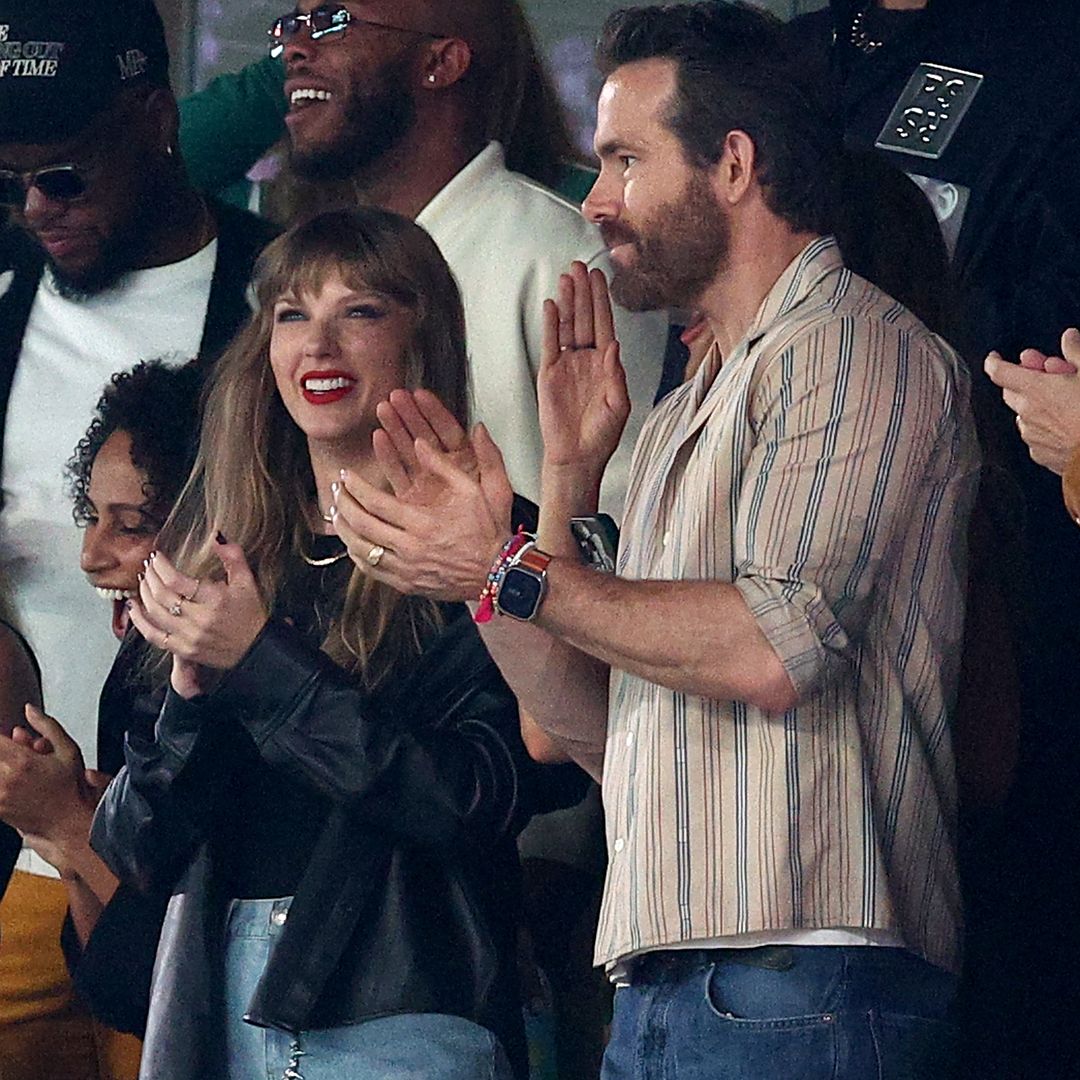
[159,807]
[438,758]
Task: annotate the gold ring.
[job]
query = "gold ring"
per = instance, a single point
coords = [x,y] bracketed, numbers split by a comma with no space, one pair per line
[374,556]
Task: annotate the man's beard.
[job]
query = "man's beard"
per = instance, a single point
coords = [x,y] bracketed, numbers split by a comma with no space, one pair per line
[119,253]
[678,251]
[101,277]
[375,120]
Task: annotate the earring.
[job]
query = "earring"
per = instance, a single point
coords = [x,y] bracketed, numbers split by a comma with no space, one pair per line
[431,78]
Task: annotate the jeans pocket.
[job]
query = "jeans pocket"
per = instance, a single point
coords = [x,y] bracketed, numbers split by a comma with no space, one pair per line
[729,1027]
[749,997]
[913,1047]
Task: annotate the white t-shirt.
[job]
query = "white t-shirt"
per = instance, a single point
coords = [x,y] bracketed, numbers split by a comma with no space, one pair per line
[70,349]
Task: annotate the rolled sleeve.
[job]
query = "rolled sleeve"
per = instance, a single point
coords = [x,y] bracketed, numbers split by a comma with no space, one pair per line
[790,627]
[842,449]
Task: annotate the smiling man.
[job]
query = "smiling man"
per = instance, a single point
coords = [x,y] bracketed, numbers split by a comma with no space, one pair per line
[107,256]
[394,96]
[765,683]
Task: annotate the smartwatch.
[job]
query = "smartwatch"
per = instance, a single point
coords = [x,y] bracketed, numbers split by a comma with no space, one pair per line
[524,584]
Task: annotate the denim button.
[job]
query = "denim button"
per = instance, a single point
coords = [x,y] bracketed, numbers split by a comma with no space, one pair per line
[279,917]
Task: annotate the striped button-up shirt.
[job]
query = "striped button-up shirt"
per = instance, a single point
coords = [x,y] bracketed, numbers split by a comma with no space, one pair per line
[826,470]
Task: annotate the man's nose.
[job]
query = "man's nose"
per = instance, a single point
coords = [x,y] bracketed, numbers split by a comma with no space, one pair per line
[38,207]
[602,203]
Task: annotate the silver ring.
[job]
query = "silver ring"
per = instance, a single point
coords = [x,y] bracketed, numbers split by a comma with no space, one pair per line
[374,556]
[176,609]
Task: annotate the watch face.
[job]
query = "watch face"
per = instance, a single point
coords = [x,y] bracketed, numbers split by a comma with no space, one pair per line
[520,593]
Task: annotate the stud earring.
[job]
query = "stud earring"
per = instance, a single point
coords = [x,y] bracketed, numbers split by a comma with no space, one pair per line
[431,78]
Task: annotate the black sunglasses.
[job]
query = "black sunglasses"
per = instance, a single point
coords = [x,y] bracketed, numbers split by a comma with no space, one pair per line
[58,183]
[323,21]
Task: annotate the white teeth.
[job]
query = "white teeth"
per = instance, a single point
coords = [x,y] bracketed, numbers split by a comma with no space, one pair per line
[114,594]
[320,386]
[309,94]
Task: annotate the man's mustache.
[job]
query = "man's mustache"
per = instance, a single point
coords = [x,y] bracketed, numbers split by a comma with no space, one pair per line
[613,234]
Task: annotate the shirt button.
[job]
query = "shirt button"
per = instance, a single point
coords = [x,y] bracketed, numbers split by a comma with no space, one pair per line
[667,538]
[279,917]
[629,738]
[619,844]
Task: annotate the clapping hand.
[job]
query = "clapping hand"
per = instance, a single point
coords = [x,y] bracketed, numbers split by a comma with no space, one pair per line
[208,626]
[419,416]
[1044,392]
[46,792]
[581,386]
[437,530]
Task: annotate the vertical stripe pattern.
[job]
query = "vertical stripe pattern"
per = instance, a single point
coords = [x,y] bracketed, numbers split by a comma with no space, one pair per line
[826,469]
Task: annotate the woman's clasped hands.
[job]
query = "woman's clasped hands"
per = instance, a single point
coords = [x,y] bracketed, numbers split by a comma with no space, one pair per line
[206,625]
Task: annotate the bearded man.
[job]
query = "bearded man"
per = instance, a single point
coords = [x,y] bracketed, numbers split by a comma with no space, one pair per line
[765,682]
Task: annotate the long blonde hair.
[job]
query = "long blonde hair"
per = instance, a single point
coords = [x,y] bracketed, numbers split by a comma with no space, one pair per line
[252,478]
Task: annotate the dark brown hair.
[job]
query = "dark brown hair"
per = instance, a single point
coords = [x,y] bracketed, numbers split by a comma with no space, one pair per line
[735,73]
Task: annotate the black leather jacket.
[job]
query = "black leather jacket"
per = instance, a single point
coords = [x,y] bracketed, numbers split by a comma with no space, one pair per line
[409,901]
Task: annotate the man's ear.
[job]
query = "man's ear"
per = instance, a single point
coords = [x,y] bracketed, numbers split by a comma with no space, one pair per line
[446,62]
[163,119]
[735,173]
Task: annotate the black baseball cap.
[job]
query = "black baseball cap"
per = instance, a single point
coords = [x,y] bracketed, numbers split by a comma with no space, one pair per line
[64,61]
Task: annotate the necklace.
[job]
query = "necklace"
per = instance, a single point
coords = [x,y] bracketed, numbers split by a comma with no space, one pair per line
[858,35]
[329,560]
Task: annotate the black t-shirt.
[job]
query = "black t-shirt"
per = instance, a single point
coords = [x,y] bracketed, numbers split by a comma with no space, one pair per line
[272,822]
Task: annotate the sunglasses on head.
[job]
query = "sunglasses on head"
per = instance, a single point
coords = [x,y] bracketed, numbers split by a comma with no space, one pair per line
[323,21]
[58,183]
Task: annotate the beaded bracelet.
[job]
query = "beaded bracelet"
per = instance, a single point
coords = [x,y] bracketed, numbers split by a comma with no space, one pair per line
[497,572]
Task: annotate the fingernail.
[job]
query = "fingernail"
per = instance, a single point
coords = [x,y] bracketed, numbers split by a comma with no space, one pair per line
[333,511]
[342,474]
[335,487]
[153,555]
[140,575]
[145,564]
[220,538]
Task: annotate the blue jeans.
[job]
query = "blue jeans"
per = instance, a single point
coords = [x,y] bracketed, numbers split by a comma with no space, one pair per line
[794,1013]
[410,1046]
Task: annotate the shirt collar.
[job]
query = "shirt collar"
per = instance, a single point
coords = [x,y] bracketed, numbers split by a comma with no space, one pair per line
[820,258]
[446,203]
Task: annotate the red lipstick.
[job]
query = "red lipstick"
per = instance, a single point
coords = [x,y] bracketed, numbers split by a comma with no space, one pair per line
[326,387]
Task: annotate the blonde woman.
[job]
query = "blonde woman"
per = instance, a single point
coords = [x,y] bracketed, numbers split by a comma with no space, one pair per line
[333,786]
